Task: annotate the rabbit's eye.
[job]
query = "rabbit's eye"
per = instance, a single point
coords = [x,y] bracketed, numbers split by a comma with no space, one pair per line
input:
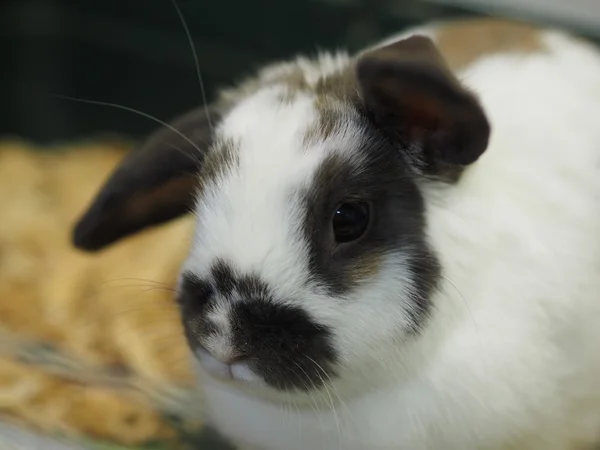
[350,221]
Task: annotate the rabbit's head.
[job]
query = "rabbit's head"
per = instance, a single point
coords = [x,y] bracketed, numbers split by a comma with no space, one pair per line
[310,262]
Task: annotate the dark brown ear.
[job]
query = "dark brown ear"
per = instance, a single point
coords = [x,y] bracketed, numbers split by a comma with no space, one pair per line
[411,94]
[153,184]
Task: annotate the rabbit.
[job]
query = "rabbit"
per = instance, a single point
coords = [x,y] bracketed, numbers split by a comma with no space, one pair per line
[397,248]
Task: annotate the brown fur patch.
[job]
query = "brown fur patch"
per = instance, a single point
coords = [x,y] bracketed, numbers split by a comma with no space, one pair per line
[366,267]
[327,122]
[294,81]
[223,157]
[340,85]
[333,92]
[462,43]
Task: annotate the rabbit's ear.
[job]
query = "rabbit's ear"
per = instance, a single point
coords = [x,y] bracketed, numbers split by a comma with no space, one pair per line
[153,184]
[412,95]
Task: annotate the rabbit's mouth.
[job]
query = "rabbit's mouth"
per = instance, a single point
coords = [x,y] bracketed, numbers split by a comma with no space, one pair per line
[265,345]
[236,370]
[241,333]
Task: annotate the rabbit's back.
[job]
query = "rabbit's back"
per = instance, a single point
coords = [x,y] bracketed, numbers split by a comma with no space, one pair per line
[519,240]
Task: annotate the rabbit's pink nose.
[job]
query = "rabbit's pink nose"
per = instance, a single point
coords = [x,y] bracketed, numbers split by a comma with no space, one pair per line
[226,365]
[221,353]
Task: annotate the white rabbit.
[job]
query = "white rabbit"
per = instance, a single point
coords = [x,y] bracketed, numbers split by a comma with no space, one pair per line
[398,249]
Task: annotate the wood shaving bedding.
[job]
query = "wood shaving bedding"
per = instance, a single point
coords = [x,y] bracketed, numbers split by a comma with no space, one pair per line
[112,310]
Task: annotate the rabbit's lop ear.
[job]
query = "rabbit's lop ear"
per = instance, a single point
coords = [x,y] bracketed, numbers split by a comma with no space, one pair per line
[413,96]
[153,184]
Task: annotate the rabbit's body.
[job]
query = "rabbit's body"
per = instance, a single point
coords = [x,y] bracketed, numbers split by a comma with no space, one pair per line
[512,354]
[476,329]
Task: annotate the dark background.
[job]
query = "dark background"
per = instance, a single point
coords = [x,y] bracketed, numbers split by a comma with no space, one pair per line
[136,53]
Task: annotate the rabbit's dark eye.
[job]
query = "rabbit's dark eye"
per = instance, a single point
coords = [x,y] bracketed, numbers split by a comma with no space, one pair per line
[350,221]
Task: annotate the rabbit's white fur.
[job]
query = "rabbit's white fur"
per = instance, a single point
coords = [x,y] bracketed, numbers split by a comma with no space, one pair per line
[511,355]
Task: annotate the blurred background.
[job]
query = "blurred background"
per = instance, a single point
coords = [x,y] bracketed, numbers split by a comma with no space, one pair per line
[135,52]
[69,356]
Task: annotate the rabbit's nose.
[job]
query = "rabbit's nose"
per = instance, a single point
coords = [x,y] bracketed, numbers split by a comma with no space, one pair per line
[221,353]
[226,365]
